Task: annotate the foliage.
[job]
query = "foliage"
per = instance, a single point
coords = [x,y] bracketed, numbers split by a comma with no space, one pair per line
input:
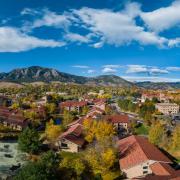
[176,138]
[141,129]
[85,110]
[28,141]
[102,158]
[98,130]
[15,106]
[45,169]
[157,134]
[108,110]
[50,108]
[73,164]
[52,131]
[67,117]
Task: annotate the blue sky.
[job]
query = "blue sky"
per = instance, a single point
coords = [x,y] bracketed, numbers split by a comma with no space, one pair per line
[138,40]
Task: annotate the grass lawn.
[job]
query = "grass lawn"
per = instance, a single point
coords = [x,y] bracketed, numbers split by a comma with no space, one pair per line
[142,130]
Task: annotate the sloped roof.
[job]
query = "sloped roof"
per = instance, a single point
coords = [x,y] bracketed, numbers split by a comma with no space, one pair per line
[118,118]
[136,149]
[162,169]
[73,104]
[75,129]
[76,140]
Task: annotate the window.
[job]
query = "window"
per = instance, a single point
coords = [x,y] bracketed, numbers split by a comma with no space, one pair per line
[145,167]
[145,172]
[64,145]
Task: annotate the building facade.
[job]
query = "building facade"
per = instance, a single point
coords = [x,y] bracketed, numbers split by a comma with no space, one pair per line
[167,108]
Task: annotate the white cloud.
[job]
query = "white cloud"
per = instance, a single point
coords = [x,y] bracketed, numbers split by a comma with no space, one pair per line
[108,70]
[136,69]
[52,19]
[174,68]
[103,26]
[74,37]
[90,71]
[152,79]
[28,11]
[106,26]
[163,18]
[132,9]
[117,28]
[98,45]
[81,66]
[156,71]
[46,18]
[174,42]
[112,66]
[12,40]
[145,69]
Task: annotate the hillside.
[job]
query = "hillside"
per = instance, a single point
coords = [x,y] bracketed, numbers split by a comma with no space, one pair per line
[40,74]
[159,85]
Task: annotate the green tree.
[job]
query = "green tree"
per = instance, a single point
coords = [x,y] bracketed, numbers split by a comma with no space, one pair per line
[176,138]
[44,169]
[131,107]
[74,164]
[51,108]
[85,110]
[28,141]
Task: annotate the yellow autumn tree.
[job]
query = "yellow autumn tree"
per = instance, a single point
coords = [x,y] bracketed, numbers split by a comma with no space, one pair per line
[52,131]
[102,158]
[98,130]
[157,134]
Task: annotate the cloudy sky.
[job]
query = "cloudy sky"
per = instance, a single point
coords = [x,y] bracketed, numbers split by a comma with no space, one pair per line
[138,40]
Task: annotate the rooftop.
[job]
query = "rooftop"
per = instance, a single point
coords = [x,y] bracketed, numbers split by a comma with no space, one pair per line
[136,149]
[118,118]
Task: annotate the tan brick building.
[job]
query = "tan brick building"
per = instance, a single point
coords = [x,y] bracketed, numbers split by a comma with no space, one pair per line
[167,108]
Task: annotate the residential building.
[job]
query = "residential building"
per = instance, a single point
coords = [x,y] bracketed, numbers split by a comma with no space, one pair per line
[100,103]
[167,108]
[120,121]
[149,96]
[95,112]
[73,105]
[13,119]
[140,159]
[71,140]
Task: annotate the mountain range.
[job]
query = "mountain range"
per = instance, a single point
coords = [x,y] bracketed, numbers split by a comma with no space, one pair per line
[41,74]
[37,73]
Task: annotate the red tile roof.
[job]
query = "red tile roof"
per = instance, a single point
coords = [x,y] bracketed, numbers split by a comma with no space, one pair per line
[136,149]
[100,100]
[13,117]
[73,104]
[75,129]
[74,134]
[119,118]
[162,169]
[76,140]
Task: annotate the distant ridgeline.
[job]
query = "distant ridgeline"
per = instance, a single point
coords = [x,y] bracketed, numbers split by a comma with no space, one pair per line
[37,73]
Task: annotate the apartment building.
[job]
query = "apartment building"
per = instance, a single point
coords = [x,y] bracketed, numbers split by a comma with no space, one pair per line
[167,108]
